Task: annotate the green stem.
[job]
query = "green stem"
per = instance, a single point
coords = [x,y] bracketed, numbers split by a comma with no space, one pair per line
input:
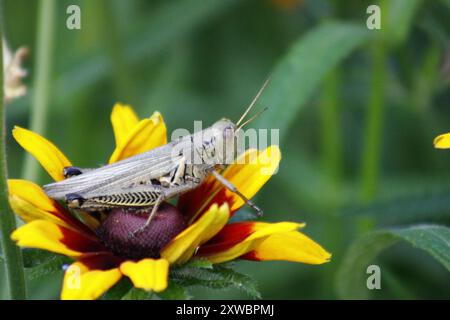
[41,81]
[373,134]
[331,129]
[332,162]
[11,253]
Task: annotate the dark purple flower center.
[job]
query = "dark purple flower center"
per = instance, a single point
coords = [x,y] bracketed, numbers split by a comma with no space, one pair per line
[115,230]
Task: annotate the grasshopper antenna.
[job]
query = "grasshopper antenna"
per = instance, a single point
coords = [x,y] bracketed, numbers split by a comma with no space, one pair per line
[253,101]
[252,118]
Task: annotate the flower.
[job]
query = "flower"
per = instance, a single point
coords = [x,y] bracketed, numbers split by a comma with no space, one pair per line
[442,141]
[197,228]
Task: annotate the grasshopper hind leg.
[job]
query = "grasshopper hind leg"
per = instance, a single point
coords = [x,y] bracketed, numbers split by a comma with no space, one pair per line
[150,217]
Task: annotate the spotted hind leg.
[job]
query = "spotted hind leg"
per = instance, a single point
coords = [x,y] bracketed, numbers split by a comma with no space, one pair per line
[150,216]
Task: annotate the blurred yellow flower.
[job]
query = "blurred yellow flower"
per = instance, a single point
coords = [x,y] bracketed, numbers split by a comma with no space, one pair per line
[13,72]
[442,141]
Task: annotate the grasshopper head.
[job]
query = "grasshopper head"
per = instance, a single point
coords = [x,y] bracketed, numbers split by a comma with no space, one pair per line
[226,127]
[224,138]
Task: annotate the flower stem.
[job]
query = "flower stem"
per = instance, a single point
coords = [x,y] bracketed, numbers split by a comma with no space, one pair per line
[41,81]
[11,253]
[332,163]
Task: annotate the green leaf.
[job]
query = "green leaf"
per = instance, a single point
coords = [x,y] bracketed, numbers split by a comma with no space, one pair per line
[431,238]
[175,292]
[53,265]
[219,277]
[124,290]
[39,263]
[35,257]
[351,277]
[137,294]
[301,71]
[119,290]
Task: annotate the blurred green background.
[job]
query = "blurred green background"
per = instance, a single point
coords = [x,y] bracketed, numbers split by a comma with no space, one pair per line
[357,111]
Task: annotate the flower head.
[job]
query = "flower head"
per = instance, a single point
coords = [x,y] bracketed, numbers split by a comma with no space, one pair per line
[197,227]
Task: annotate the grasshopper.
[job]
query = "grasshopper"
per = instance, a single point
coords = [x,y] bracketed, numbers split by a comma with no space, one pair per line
[146,180]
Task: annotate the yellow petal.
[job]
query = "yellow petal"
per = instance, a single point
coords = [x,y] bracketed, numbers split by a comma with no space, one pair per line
[47,235]
[146,135]
[147,274]
[123,119]
[260,232]
[30,202]
[183,246]
[32,193]
[80,283]
[289,246]
[442,141]
[48,155]
[249,178]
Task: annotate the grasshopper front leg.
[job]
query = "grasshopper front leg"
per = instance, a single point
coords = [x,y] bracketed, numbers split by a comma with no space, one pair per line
[233,189]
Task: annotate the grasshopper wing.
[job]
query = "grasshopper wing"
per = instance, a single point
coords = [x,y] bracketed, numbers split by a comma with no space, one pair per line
[149,165]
